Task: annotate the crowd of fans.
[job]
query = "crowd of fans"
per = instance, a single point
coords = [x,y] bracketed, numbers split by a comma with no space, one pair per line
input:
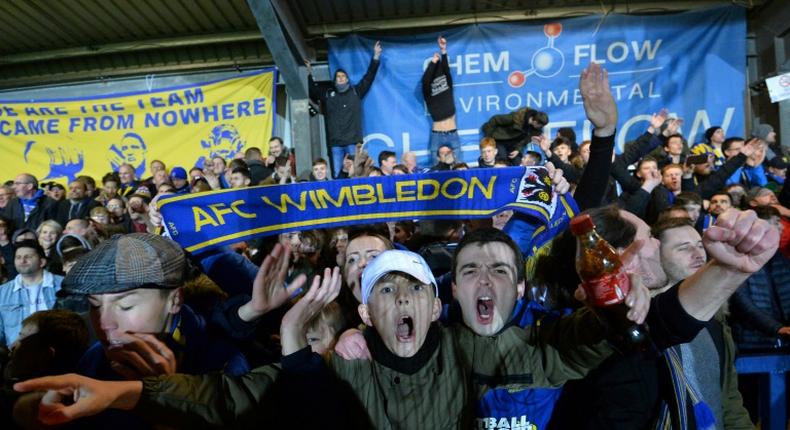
[427,324]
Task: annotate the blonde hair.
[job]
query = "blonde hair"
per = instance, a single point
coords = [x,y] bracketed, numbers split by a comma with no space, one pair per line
[49,223]
[331,316]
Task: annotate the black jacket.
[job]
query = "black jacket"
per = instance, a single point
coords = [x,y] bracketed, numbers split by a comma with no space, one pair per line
[343,111]
[45,209]
[258,172]
[624,392]
[633,152]
[82,209]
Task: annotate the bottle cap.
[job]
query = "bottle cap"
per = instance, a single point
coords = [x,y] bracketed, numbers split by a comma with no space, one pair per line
[581,224]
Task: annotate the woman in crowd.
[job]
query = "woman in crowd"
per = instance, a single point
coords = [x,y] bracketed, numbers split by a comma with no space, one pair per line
[48,234]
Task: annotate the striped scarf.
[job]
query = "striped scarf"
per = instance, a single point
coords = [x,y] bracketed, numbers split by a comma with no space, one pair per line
[684,391]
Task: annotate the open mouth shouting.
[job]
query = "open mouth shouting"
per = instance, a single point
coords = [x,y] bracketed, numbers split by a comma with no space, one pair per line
[404,331]
[485,309]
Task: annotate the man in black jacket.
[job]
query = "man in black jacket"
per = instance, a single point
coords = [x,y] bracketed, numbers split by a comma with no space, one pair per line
[342,105]
[78,205]
[31,206]
[255,164]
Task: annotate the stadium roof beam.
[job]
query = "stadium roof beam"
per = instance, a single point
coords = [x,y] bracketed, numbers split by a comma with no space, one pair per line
[288,48]
[277,40]
[130,46]
[329,30]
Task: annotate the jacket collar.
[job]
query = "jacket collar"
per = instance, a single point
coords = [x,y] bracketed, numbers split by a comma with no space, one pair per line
[409,365]
[32,200]
[47,281]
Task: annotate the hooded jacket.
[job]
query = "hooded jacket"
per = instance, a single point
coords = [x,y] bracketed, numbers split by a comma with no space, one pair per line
[511,130]
[343,109]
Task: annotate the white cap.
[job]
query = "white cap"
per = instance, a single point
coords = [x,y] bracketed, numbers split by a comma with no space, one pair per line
[396,261]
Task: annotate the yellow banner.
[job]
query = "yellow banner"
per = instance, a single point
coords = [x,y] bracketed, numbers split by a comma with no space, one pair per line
[183,126]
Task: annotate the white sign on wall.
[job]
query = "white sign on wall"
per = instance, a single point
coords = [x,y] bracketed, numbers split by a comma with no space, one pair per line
[779,87]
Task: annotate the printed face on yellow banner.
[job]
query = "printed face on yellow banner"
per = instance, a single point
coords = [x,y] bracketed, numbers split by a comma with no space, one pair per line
[182,126]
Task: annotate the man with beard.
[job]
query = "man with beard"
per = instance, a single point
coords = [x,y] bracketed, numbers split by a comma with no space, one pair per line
[719,203]
[629,391]
[342,105]
[708,361]
[78,204]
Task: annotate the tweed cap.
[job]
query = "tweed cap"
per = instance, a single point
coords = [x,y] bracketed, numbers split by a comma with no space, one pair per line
[127,262]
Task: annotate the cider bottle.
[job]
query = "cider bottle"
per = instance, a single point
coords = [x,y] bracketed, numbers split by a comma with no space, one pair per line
[605,282]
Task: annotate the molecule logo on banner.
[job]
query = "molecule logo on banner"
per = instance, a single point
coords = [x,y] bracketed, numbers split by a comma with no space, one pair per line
[693,63]
[546,61]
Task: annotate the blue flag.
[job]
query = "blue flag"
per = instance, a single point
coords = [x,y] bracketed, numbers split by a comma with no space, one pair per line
[693,63]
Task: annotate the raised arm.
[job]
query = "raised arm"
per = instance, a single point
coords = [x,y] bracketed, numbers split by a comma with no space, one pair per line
[314,89]
[601,110]
[269,290]
[645,143]
[718,179]
[521,228]
[636,150]
[445,63]
[364,85]
[738,245]
[636,202]
[322,292]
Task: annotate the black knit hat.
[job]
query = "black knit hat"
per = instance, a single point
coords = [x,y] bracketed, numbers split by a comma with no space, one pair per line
[709,132]
[339,71]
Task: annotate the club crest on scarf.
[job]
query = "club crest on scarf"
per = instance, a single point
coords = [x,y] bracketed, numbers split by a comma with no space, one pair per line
[536,189]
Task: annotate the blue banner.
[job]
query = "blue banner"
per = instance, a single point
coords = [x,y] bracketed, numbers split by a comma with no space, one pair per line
[693,63]
[205,220]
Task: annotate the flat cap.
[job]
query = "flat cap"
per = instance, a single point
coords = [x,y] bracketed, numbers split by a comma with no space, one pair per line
[137,260]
